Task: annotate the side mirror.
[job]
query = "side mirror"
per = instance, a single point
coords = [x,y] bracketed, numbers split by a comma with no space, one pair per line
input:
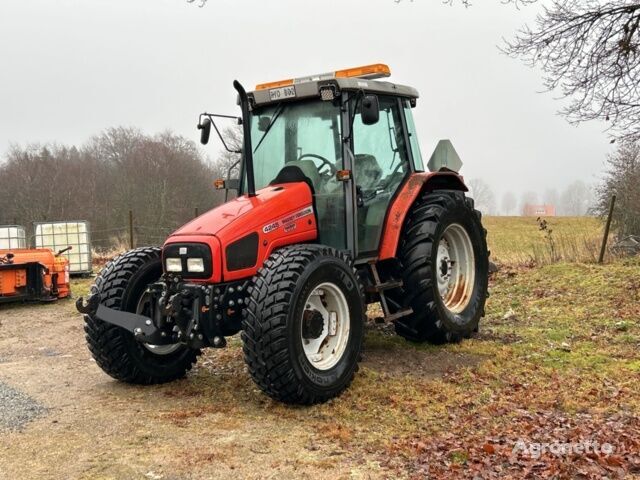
[263,123]
[205,130]
[370,110]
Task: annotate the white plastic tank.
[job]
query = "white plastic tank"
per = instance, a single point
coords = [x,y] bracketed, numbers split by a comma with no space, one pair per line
[60,235]
[12,237]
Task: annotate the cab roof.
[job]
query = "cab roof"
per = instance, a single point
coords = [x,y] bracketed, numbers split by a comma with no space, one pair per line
[322,85]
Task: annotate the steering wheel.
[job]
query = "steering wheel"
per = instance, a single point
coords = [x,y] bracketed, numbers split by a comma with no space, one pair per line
[332,167]
[393,174]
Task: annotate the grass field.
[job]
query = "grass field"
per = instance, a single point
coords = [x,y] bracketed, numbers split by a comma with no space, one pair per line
[519,240]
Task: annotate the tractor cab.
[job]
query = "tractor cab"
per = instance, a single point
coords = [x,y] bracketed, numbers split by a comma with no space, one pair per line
[348,135]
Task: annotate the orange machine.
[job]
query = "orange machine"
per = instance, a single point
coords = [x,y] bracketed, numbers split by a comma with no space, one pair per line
[33,275]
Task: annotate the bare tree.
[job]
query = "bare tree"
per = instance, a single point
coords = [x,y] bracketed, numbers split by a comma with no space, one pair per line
[622,178]
[482,195]
[509,203]
[162,178]
[227,162]
[589,50]
[576,199]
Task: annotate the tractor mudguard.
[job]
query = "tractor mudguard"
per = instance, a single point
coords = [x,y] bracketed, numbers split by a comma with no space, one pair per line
[417,183]
[243,232]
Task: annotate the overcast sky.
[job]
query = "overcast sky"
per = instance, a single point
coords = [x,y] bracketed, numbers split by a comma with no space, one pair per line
[70,68]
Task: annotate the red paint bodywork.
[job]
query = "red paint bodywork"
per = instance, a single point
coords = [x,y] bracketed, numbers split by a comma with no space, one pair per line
[408,193]
[233,220]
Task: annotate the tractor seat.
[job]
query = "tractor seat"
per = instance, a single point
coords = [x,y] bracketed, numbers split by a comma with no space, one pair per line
[367,171]
[299,171]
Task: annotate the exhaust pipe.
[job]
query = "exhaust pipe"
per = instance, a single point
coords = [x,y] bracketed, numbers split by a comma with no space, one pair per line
[246,131]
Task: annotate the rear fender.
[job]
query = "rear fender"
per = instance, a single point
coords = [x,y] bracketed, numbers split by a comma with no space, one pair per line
[416,184]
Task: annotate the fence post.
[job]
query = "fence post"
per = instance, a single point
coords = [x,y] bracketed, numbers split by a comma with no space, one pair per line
[196,213]
[606,229]
[131,229]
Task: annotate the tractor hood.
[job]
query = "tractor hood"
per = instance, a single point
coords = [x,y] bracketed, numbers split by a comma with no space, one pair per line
[245,213]
[243,232]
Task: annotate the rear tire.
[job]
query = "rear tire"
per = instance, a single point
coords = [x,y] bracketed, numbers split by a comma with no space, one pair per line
[121,284]
[288,347]
[436,223]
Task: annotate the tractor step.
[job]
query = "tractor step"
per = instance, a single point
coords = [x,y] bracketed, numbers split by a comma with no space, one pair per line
[399,314]
[384,286]
[380,287]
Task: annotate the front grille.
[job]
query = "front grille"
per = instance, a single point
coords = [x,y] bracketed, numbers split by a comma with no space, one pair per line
[190,250]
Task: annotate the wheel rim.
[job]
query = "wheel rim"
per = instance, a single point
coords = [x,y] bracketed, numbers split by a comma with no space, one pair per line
[326,324]
[455,268]
[143,309]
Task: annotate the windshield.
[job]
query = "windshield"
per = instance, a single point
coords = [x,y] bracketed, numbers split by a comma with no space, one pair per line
[305,134]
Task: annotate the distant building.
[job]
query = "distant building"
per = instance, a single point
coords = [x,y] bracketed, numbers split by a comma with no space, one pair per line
[539,210]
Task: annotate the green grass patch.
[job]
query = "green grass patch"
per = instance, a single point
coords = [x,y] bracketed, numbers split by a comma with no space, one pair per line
[518,240]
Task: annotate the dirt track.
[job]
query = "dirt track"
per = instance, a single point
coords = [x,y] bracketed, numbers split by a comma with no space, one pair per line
[212,424]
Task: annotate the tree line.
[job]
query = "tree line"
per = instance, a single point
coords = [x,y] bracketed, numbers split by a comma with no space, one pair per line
[162,178]
[620,177]
[574,200]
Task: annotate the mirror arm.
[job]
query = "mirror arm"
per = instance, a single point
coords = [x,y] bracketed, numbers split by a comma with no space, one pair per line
[210,116]
[359,97]
[218,115]
[234,165]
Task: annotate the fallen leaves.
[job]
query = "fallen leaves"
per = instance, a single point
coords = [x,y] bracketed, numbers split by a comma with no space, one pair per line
[569,382]
[488,448]
[534,445]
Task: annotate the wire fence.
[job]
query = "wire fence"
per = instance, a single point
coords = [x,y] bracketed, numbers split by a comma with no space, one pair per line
[132,235]
[142,235]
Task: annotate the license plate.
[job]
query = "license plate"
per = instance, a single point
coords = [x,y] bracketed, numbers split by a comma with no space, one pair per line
[282,93]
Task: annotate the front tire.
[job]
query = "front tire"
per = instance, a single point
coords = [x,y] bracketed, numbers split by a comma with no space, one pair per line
[303,324]
[121,285]
[445,268]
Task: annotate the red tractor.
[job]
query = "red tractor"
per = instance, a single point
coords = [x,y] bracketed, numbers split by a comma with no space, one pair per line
[334,211]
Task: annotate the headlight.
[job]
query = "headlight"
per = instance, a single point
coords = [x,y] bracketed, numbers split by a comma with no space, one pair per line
[189,260]
[195,265]
[173,264]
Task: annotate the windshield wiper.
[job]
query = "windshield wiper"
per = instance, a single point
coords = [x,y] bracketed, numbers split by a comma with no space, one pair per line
[277,113]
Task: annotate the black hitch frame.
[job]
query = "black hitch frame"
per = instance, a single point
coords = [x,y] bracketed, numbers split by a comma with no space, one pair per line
[142,327]
[196,315]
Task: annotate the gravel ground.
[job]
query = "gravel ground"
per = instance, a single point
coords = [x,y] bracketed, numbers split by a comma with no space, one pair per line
[16,408]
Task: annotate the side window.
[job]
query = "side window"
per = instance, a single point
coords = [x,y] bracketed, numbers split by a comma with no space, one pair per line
[413,137]
[381,163]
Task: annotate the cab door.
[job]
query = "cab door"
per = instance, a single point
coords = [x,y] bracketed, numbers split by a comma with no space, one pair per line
[381,164]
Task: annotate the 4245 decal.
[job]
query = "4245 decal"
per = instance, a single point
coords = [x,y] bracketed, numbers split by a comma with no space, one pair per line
[288,221]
